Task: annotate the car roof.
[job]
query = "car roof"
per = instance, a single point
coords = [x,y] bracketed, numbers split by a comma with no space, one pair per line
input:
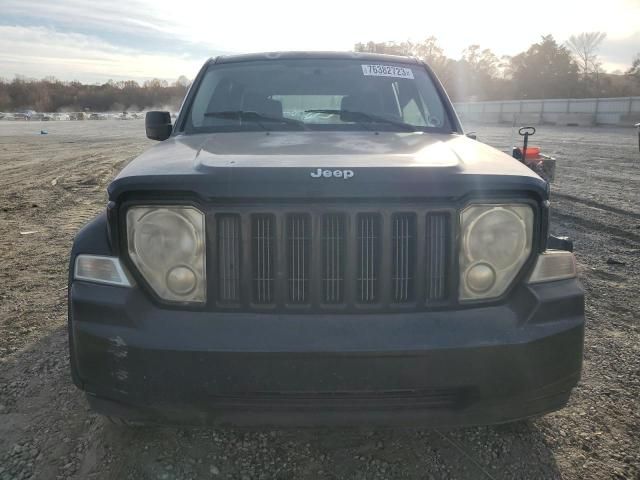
[251,57]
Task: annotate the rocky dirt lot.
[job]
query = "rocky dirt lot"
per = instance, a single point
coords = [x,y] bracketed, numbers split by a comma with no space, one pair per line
[51,184]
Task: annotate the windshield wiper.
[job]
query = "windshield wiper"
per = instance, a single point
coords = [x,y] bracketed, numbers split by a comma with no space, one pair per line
[254,116]
[364,117]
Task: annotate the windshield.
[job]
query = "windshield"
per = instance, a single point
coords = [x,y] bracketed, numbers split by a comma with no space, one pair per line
[316,94]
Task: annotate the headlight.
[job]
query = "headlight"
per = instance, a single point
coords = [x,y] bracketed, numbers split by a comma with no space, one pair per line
[167,246]
[496,242]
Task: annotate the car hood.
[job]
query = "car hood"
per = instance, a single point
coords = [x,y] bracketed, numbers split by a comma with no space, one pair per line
[312,164]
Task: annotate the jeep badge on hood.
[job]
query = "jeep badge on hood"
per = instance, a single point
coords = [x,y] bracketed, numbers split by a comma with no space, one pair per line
[345,174]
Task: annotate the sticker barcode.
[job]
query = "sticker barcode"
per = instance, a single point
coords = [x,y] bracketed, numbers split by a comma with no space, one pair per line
[387,71]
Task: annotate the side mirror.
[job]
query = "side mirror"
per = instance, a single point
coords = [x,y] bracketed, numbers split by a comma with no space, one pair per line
[158,125]
[472,135]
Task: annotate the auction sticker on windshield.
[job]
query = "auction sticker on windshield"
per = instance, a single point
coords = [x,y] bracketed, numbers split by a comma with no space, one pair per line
[387,71]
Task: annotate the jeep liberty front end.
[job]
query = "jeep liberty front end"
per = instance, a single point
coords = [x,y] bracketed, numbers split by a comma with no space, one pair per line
[316,242]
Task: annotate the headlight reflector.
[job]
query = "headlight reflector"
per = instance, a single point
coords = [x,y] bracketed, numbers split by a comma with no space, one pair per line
[480,277]
[167,245]
[496,242]
[181,280]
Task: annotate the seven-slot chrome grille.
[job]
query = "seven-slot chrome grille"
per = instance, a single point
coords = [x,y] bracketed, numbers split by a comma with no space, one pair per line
[323,258]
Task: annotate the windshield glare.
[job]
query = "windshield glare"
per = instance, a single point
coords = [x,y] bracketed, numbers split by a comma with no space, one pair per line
[314,94]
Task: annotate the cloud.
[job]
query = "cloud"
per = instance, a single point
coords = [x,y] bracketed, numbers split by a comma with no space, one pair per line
[619,52]
[41,51]
[165,38]
[93,14]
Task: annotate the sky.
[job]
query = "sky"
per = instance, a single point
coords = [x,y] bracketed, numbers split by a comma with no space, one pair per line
[96,40]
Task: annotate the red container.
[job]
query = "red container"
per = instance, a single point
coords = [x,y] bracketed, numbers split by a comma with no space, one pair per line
[532,152]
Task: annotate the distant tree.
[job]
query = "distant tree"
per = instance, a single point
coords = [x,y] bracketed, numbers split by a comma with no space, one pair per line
[51,95]
[478,73]
[545,70]
[41,97]
[5,99]
[585,48]
[634,71]
[505,67]
[483,62]
[155,83]
[430,52]
[130,84]
[182,81]
[389,48]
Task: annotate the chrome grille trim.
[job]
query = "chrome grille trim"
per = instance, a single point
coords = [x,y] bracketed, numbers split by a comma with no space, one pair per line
[403,256]
[229,258]
[263,229]
[368,226]
[333,248]
[437,256]
[299,238]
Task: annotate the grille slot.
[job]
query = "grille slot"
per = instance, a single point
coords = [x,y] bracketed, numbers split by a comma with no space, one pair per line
[437,257]
[299,239]
[333,249]
[403,256]
[263,252]
[368,257]
[229,258]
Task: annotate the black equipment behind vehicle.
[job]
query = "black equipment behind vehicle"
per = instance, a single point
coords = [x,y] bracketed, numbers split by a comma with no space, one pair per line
[543,165]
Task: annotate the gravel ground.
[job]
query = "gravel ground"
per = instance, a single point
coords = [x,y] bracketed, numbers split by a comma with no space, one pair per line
[51,184]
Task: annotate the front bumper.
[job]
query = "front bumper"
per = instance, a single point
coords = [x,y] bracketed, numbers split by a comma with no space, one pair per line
[481,365]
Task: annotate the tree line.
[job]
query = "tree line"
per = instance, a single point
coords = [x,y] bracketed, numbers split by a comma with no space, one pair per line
[52,95]
[547,69]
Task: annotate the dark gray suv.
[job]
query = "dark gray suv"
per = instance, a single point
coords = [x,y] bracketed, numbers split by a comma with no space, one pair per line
[315,241]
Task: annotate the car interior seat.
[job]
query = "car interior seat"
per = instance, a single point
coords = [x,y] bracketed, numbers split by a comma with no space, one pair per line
[260,103]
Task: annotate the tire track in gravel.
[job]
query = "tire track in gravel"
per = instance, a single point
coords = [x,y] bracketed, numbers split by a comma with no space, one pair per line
[598,205]
[595,225]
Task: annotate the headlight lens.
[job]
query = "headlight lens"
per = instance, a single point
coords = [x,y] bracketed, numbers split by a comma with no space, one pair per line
[167,246]
[496,242]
